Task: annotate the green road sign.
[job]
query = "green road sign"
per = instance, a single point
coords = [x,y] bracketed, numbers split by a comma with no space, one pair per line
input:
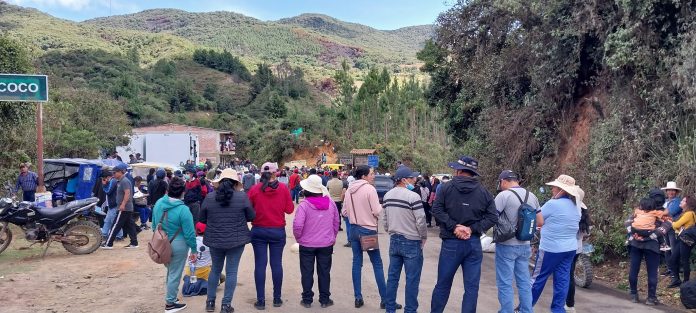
[20,87]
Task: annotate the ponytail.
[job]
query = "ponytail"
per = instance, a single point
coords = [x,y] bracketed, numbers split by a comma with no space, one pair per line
[225,192]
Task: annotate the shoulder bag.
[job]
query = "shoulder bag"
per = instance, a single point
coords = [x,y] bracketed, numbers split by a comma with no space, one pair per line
[367,242]
[160,247]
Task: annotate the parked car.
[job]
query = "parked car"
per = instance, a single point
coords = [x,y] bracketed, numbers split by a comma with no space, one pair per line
[383,184]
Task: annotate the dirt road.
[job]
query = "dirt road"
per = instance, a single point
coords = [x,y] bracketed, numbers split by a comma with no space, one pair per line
[126,281]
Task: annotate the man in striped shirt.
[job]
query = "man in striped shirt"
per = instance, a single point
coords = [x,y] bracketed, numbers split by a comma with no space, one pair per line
[27,181]
[406,225]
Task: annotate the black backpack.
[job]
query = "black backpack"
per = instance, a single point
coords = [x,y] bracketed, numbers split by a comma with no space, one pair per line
[688,294]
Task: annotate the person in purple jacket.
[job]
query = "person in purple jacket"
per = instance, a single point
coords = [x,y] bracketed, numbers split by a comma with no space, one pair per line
[315,228]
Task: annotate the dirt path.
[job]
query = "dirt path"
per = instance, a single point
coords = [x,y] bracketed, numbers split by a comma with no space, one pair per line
[126,281]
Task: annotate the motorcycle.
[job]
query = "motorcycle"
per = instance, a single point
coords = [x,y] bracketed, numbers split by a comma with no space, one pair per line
[583,267]
[65,224]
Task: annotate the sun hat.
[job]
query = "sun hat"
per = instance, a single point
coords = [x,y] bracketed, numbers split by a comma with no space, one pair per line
[671,186]
[568,185]
[313,184]
[465,163]
[227,173]
[269,167]
[404,172]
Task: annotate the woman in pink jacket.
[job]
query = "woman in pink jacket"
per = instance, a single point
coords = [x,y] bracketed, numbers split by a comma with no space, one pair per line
[315,228]
[361,206]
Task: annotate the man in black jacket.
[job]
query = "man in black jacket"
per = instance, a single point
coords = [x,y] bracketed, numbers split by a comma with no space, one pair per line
[465,210]
[156,189]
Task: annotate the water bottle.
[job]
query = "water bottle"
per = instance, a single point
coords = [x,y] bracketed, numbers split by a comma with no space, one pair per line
[193,277]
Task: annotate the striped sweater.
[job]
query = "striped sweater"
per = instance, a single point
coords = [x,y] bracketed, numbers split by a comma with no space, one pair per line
[404,214]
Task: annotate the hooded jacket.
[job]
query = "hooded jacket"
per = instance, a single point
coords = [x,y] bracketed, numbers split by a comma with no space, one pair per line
[316,222]
[271,205]
[464,201]
[361,204]
[178,216]
[226,226]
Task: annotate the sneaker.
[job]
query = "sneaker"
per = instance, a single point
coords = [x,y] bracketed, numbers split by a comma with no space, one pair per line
[277,303]
[210,306]
[226,308]
[306,304]
[675,284]
[105,247]
[665,248]
[666,273]
[327,304]
[259,305]
[131,246]
[174,307]
[569,309]
[635,298]
[359,303]
[347,245]
[383,306]
[652,301]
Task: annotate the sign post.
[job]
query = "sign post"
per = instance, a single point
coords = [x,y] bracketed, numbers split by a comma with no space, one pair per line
[28,88]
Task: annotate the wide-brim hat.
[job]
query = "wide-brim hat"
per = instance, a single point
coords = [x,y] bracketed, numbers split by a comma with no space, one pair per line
[465,163]
[227,173]
[671,186]
[568,185]
[314,184]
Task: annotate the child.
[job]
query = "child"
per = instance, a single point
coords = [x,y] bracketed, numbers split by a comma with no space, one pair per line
[202,267]
[140,201]
[648,223]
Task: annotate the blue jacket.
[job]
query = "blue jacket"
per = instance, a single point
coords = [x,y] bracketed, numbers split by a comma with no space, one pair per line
[178,216]
[110,190]
[673,207]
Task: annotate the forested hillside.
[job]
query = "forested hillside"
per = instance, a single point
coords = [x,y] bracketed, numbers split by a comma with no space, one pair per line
[604,91]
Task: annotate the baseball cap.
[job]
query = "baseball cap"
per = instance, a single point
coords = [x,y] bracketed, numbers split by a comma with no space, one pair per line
[405,172]
[269,167]
[466,163]
[178,173]
[508,175]
[121,168]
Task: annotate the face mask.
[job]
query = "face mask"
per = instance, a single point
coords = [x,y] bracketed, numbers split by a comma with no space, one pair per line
[410,187]
[187,177]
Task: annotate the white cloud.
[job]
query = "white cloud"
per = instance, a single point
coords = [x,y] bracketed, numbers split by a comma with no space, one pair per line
[75,5]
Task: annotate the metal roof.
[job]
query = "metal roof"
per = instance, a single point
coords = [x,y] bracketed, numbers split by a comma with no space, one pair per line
[363,151]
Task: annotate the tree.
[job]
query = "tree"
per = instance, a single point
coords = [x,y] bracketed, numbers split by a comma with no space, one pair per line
[262,78]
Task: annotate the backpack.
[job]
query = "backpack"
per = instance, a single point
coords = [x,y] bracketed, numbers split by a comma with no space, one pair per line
[688,294]
[526,219]
[504,229]
[160,247]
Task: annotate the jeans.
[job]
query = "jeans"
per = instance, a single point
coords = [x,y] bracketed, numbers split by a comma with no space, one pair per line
[219,256]
[375,258]
[558,265]
[322,256]
[570,299]
[454,254]
[347,221]
[652,262]
[29,195]
[295,194]
[513,261]
[175,269]
[681,254]
[144,214]
[109,223]
[409,255]
[268,242]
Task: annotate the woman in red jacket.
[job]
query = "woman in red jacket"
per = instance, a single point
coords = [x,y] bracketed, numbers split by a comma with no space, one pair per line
[272,201]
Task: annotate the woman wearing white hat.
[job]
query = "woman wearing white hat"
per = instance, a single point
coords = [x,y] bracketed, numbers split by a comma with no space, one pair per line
[560,225]
[315,228]
[673,199]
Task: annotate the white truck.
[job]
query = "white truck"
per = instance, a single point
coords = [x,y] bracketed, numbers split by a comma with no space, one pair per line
[164,148]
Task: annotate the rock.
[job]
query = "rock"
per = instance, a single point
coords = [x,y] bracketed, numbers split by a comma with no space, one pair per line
[61,286]
[88,276]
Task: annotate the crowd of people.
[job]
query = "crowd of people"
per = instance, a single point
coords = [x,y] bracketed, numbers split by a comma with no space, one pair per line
[205,210]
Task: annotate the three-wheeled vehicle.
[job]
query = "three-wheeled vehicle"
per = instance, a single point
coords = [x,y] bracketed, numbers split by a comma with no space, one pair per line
[71,179]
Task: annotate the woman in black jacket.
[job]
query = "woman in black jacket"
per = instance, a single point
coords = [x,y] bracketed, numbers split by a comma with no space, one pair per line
[226,212]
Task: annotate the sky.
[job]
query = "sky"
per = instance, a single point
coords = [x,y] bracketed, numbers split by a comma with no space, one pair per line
[380,14]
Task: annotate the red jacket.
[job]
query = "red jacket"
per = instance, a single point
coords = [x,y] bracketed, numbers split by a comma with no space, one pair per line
[294,180]
[271,205]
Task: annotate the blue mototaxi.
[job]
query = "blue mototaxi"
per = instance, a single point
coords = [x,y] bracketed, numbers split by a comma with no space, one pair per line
[71,179]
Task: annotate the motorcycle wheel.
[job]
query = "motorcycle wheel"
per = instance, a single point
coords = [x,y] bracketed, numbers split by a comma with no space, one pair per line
[87,233]
[583,271]
[5,236]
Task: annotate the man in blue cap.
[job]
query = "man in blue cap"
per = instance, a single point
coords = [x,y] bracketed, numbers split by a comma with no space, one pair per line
[406,225]
[465,210]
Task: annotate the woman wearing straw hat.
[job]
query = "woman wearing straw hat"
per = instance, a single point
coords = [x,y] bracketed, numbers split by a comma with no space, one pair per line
[315,228]
[225,212]
[559,228]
